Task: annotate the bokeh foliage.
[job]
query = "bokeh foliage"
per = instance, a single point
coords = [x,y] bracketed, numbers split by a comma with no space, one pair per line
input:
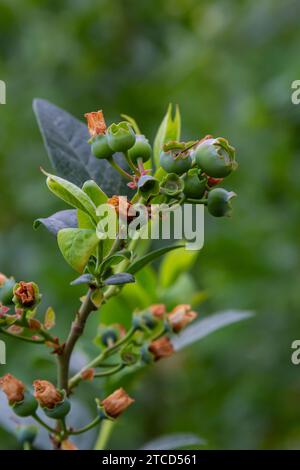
[229,64]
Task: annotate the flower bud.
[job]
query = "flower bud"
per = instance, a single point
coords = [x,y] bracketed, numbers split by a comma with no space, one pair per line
[171,185]
[219,202]
[54,402]
[100,147]
[148,186]
[116,403]
[140,150]
[26,295]
[120,137]
[6,289]
[96,123]
[26,433]
[180,317]
[161,348]
[194,184]
[215,157]
[173,161]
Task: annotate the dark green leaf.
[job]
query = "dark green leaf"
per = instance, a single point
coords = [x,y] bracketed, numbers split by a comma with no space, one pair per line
[66,141]
[58,221]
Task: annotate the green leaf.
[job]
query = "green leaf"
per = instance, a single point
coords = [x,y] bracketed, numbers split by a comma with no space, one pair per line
[114,259]
[204,327]
[49,321]
[170,129]
[173,441]
[77,245]
[71,194]
[144,260]
[58,221]
[94,192]
[175,264]
[66,141]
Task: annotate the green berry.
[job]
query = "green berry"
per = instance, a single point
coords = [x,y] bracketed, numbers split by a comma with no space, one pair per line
[215,157]
[27,406]
[173,162]
[194,184]
[100,147]
[219,202]
[140,150]
[120,137]
[172,185]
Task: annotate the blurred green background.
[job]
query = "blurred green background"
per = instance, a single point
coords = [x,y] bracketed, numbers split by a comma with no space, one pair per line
[229,65]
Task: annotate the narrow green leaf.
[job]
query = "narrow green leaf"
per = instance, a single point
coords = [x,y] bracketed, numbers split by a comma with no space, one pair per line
[116,258]
[204,327]
[94,192]
[170,129]
[76,246]
[71,194]
[144,260]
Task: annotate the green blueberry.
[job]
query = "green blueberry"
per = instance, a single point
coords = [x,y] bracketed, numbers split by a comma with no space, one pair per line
[173,162]
[194,184]
[100,147]
[60,410]
[171,185]
[140,150]
[120,137]
[215,157]
[219,202]
[26,407]
[26,433]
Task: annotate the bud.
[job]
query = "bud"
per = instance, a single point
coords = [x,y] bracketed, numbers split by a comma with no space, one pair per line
[181,316]
[6,289]
[26,295]
[88,374]
[219,202]
[171,185]
[148,186]
[174,161]
[161,348]
[96,123]
[140,150]
[194,184]
[54,402]
[120,137]
[116,403]
[158,310]
[215,157]
[100,147]
[26,433]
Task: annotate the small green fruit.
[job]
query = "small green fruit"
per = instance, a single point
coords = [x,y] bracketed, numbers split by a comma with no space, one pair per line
[140,150]
[100,147]
[26,433]
[27,406]
[194,184]
[173,162]
[215,157]
[219,202]
[171,185]
[60,410]
[120,137]
[148,186]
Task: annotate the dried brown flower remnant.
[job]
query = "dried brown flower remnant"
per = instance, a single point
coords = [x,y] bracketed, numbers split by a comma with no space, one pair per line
[12,387]
[116,403]
[161,348]
[68,445]
[46,393]
[122,206]
[96,123]
[25,294]
[158,310]
[88,374]
[181,316]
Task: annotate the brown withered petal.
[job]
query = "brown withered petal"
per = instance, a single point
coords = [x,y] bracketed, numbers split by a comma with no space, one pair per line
[88,374]
[34,324]
[121,206]
[181,316]
[161,348]
[96,123]
[116,403]
[12,387]
[158,310]
[46,393]
[68,445]
[25,294]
